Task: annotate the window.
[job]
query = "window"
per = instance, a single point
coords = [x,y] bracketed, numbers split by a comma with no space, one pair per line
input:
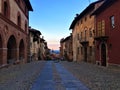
[90,33]
[81,35]
[94,32]
[78,36]
[90,50]
[25,26]
[6,9]
[85,18]
[101,28]
[78,50]
[90,16]
[112,19]
[26,11]
[19,19]
[81,50]
[85,34]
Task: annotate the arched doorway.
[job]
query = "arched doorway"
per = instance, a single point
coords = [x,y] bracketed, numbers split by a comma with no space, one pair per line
[21,50]
[0,50]
[103,55]
[11,50]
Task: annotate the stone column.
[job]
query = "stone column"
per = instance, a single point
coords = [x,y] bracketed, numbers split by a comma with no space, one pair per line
[4,56]
[17,55]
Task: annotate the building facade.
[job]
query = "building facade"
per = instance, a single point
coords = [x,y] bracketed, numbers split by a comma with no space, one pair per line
[47,51]
[62,48]
[107,33]
[14,21]
[38,46]
[34,36]
[83,34]
[42,49]
[66,49]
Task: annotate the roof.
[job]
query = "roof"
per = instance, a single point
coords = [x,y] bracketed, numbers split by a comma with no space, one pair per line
[61,40]
[27,2]
[67,38]
[106,4]
[34,31]
[42,40]
[85,11]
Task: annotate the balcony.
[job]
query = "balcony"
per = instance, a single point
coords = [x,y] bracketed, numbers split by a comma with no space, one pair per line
[84,41]
[101,36]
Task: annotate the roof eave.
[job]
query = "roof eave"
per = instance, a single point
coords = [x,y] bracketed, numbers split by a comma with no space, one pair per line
[82,14]
[28,5]
[103,6]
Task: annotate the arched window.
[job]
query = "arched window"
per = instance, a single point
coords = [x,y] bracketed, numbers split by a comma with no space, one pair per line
[25,26]
[19,19]
[6,8]
[85,33]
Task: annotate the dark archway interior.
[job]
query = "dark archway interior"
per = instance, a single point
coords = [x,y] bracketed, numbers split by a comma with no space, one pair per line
[11,50]
[21,50]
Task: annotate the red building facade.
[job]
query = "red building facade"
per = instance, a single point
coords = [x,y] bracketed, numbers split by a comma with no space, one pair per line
[14,22]
[108,33]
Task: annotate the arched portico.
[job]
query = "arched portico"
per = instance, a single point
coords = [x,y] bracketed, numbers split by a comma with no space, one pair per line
[21,50]
[11,50]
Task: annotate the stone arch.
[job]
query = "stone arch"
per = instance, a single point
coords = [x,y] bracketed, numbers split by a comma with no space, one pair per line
[1,54]
[11,50]
[6,8]
[21,50]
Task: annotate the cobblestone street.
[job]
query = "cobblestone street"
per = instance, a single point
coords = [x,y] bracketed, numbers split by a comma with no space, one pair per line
[19,77]
[63,81]
[49,75]
[59,45]
[95,77]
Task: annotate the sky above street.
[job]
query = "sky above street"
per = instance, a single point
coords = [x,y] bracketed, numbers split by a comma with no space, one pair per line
[54,17]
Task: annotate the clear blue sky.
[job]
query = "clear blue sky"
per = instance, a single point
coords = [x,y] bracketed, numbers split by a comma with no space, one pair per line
[54,17]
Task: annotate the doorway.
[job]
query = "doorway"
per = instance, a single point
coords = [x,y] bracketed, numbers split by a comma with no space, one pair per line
[103,54]
[11,50]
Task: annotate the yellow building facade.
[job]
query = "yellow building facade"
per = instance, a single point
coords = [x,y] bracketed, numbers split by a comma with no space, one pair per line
[83,32]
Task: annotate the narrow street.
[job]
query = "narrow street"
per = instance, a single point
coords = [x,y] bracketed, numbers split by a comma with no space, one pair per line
[59,45]
[63,75]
